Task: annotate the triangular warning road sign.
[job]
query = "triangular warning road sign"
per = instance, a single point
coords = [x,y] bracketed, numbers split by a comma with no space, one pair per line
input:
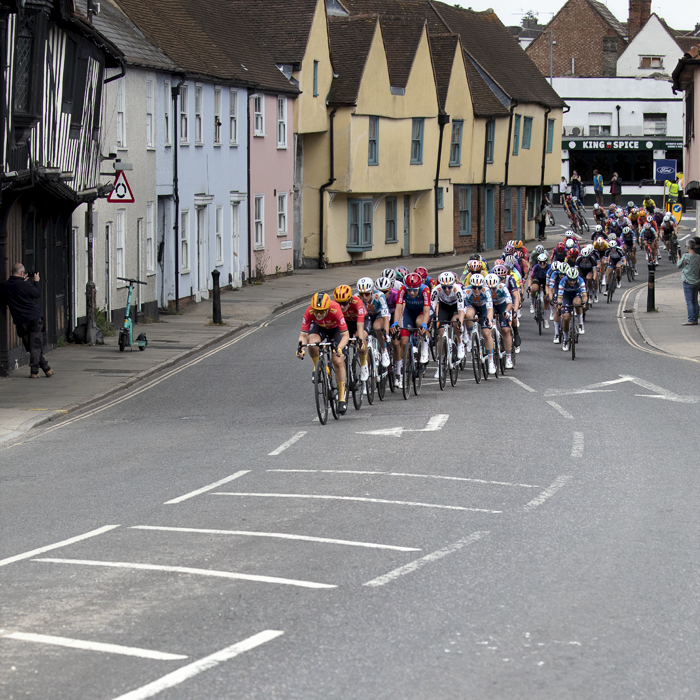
[121,194]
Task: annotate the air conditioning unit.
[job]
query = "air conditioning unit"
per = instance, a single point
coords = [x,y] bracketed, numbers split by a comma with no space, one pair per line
[574,131]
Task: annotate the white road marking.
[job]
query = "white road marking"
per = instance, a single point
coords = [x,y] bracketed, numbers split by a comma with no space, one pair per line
[186,672]
[577,447]
[435,423]
[57,545]
[548,492]
[419,563]
[561,410]
[353,498]
[521,384]
[418,476]
[93,646]
[204,489]
[278,535]
[189,570]
[287,444]
[660,392]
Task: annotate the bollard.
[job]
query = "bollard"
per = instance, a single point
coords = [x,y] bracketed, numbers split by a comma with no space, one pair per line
[651,301]
[217,296]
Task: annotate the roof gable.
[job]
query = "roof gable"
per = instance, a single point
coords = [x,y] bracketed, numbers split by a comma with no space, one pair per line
[443,48]
[608,17]
[401,39]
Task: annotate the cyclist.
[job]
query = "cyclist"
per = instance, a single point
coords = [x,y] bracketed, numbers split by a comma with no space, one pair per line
[633,216]
[557,272]
[648,237]
[649,204]
[668,229]
[570,209]
[503,306]
[447,302]
[425,277]
[538,282]
[324,321]
[571,292]
[401,273]
[587,269]
[600,245]
[629,248]
[615,258]
[597,232]
[480,306]
[377,320]
[598,214]
[512,286]
[473,266]
[355,312]
[412,311]
[537,250]
[558,252]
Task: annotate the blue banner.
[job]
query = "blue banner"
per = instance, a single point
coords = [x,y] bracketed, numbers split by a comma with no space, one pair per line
[665,170]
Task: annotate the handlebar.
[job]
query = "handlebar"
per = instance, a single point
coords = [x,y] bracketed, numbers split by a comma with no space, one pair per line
[132,281]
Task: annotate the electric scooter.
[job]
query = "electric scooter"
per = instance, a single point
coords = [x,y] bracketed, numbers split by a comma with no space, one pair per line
[126,332]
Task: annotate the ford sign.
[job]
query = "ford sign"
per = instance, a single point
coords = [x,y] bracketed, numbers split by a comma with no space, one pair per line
[665,169]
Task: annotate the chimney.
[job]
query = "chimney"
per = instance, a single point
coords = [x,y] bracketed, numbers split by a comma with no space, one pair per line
[640,11]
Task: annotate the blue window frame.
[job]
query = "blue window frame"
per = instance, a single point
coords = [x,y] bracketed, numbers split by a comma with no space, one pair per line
[390,234]
[440,198]
[527,132]
[456,143]
[417,141]
[373,148]
[490,138]
[315,78]
[508,209]
[465,211]
[516,135]
[359,225]
[550,135]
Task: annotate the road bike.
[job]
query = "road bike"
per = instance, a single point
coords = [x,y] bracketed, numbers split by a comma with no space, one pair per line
[480,355]
[499,350]
[571,336]
[413,369]
[539,311]
[447,357]
[325,382]
[380,376]
[672,247]
[629,265]
[352,372]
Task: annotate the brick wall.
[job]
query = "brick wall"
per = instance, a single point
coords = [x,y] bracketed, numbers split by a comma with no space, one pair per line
[578,32]
[468,244]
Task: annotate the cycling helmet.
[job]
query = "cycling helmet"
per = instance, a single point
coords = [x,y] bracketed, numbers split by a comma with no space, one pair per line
[596,206]
[561,247]
[500,270]
[542,258]
[365,284]
[422,272]
[569,233]
[384,284]
[570,243]
[342,294]
[511,260]
[518,245]
[564,268]
[474,265]
[413,280]
[667,216]
[500,261]
[447,278]
[572,273]
[625,230]
[401,273]
[612,244]
[598,228]
[492,280]
[390,273]
[511,242]
[539,249]
[585,252]
[647,225]
[509,249]
[556,266]
[612,237]
[630,204]
[612,206]
[634,210]
[320,302]
[475,256]
[477,281]
[650,217]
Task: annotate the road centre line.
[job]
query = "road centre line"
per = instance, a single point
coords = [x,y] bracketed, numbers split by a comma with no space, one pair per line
[521,384]
[186,672]
[560,410]
[354,498]
[419,563]
[548,492]
[278,535]
[189,570]
[287,444]
[577,447]
[204,489]
[57,545]
[93,646]
[418,476]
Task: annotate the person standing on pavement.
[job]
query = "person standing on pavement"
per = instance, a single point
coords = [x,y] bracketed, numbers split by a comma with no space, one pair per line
[562,190]
[575,185]
[22,298]
[615,188]
[690,266]
[598,187]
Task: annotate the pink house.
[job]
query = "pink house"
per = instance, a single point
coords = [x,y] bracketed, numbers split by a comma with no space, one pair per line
[686,77]
[271,183]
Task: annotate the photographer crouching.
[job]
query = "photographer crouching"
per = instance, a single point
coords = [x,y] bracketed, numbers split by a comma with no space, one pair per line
[22,298]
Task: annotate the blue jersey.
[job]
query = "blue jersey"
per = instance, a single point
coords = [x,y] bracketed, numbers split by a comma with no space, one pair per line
[569,287]
[377,305]
[414,305]
[482,297]
[553,278]
[540,272]
[501,295]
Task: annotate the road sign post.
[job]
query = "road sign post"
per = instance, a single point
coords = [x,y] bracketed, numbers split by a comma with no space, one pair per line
[651,294]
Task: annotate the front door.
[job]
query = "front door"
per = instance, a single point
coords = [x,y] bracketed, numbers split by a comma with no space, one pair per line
[235,247]
[489,220]
[201,290]
[407,224]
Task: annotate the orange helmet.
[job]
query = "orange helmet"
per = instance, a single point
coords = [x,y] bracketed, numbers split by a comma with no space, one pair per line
[342,294]
[320,302]
[518,244]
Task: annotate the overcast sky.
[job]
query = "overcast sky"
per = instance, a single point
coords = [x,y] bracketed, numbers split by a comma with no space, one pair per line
[679,15]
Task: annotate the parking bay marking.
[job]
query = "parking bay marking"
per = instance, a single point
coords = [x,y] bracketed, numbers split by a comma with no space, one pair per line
[204,489]
[278,535]
[419,563]
[93,646]
[189,570]
[190,670]
[356,498]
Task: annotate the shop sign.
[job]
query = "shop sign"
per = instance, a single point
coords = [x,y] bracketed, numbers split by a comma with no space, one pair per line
[619,145]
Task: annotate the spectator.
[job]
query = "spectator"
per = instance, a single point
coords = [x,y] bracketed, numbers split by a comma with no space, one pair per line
[562,189]
[22,297]
[615,188]
[541,217]
[575,185]
[598,187]
[690,266]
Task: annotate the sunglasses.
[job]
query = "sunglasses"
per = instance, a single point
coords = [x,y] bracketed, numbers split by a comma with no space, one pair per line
[447,287]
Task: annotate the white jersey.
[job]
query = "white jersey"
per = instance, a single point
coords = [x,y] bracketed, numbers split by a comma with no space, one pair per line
[455,296]
[397,285]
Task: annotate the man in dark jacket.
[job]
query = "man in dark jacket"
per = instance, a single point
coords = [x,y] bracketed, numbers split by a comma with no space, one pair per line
[22,297]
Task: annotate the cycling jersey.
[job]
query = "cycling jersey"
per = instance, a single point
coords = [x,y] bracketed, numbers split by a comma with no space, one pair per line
[629,239]
[480,298]
[392,297]
[333,319]
[571,288]
[540,272]
[667,229]
[455,297]
[356,311]
[414,304]
[648,234]
[500,295]
[585,264]
[555,255]
[377,305]
[511,283]
[615,255]
[555,276]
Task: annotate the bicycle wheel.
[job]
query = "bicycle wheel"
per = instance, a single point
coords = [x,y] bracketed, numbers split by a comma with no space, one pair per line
[496,349]
[572,337]
[357,382]
[630,271]
[321,391]
[550,218]
[334,395]
[417,378]
[442,363]
[583,222]
[372,379]
[434,339]
[539,311]
[612,286]
[476,358]
[407,370]
[454,368]
[502,354]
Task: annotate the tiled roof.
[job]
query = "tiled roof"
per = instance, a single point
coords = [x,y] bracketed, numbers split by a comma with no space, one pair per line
[416,11]
[490,43]
[686,42]
[112,23]
[281,26]
[401,39]
[609,17]
[442,50]
[350,39]
[207,38]
[485,102]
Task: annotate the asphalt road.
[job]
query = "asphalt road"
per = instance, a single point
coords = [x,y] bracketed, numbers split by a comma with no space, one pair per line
[543,543]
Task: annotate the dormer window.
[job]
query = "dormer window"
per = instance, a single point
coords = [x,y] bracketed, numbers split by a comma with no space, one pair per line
[652,62]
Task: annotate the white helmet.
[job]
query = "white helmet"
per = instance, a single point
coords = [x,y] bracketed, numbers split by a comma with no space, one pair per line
[511,260]
[612,244]
[650,218]
[569,234]
[556,266]
[542,258]
[586,251]
[492,280]
[447,278]
[598,228]
[667,216]
[539,249]
[572,273]
[384,284]
[365,284]
[570,243]
[477,280]
[389,272]
[596,206]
